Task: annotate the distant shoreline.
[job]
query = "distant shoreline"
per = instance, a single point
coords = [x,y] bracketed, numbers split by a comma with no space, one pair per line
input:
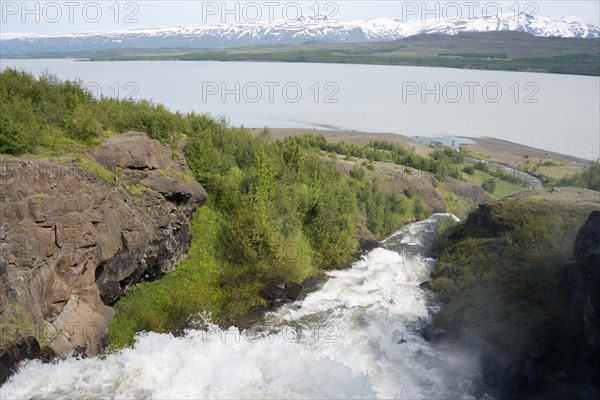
[487,51]
[495,149]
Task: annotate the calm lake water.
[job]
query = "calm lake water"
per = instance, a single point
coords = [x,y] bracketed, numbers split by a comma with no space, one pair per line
[553,112]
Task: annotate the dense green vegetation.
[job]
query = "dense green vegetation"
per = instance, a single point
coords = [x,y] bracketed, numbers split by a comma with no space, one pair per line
[444,229]
[278,211]
[504,51]
[442,162]
[496,172]
[588,178]
[455,204]
[170,304]
[509,266]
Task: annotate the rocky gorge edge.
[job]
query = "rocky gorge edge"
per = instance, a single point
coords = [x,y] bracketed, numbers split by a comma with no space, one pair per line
[78,231]
[545,341]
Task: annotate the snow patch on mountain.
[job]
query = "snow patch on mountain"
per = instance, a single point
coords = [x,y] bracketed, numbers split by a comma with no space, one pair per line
[295,31]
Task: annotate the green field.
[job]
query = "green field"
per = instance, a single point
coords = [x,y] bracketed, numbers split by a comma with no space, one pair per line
[503,188]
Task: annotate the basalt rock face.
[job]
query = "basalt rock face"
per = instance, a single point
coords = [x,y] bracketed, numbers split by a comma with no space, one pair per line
[75,234]
[24,348]
[587,254]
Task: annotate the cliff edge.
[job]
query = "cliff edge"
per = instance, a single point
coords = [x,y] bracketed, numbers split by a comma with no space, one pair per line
[587,254]
[78,231]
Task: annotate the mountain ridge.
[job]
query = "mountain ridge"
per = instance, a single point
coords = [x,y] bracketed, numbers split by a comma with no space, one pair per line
[291,32]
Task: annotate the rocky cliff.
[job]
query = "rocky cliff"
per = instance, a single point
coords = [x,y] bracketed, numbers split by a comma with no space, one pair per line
[77,231]
[509,268]
[587,254]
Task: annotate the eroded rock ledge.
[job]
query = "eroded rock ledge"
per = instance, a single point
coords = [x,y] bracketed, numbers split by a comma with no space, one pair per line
[587,254]
[77,232]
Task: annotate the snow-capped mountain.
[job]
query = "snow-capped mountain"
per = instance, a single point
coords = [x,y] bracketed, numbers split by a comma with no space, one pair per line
[288,32]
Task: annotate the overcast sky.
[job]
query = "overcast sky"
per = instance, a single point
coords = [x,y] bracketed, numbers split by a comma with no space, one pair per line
[75,16]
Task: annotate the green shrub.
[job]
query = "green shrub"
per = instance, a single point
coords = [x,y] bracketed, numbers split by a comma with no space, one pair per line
[422,210]
[482,166]
[332,226]
[489,185]
[589,178]
[358,172]
[444,228]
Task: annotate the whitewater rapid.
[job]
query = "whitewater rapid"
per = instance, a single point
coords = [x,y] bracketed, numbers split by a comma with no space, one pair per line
[355,337]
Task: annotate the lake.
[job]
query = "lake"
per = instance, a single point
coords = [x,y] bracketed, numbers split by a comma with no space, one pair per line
[549,111]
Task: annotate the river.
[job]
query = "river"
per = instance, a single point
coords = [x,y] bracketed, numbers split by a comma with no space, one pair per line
[532,182]
[355,337]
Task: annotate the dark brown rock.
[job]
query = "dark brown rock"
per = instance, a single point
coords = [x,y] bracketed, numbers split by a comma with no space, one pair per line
[366,239]
[75,235]
[295,292]
[24,348]
[276,295]
[587,254]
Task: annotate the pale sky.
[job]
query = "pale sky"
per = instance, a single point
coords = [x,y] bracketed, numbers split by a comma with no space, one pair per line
[76,16]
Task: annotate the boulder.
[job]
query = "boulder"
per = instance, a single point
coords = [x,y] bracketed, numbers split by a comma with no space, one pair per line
[276,295]
[295,292]
[24,348]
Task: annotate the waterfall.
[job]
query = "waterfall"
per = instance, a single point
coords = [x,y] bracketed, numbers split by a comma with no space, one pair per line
[355,337]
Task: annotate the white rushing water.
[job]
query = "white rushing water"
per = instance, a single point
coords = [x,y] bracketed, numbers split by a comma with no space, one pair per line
[353,338]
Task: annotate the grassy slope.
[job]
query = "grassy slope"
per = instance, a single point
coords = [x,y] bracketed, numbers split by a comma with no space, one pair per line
[505,267]
[455,204]
[560,171]
[166,304]
[510,51]
[503,188]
